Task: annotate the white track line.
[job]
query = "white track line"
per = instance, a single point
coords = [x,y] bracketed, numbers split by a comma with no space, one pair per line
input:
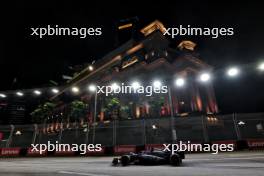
[81,173]
[231,158]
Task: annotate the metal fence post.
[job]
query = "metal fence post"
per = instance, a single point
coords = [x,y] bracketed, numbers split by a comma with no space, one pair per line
[43,128]
[61,130]
[236,127]
[35,133]
[114,132]
[144,132]
[173,130]
[9,140]
[95,114]
[87,133]
[205,132]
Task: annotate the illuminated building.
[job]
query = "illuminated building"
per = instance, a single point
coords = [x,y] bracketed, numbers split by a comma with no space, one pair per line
[150,57]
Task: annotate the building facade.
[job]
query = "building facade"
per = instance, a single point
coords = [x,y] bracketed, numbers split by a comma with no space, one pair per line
[144,60]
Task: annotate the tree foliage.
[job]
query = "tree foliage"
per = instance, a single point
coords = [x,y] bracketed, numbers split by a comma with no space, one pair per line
[42,112]
[78,110]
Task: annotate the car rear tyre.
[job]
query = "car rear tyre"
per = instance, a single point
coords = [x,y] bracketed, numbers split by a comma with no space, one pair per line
[175,160]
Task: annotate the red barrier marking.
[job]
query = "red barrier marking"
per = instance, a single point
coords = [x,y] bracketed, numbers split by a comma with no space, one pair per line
[255,143]
[10,151]
[124,149]
[31,152]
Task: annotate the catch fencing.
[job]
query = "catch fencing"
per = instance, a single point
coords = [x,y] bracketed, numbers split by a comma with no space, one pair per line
[200,129]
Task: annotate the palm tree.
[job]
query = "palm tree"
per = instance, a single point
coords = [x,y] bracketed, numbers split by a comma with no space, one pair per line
[42,112]
[37,115]
[78,110]
[112,107]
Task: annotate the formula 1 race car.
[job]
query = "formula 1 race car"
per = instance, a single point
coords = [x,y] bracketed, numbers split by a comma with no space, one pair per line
[153,157]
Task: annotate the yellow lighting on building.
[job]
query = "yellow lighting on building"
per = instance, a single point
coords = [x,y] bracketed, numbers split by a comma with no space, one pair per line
[130,62]
[137,112]
[125,26]
[187,44]
[156,25]
[134,49]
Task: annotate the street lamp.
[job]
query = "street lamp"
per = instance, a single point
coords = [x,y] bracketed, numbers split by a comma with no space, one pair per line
[75,89]
[115,86]
[179,82]
[232,72]
[92,88]
[241,123]
[157,83]
[135,85]
[91,68]
[205,77]
[37,92]
[173,129]
[20,94]
[261,66]
[54,90]
[2,95]
[18,133]
[154,127]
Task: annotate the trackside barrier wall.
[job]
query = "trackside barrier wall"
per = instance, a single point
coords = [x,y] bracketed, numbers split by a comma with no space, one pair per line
[117,150]
[244,130]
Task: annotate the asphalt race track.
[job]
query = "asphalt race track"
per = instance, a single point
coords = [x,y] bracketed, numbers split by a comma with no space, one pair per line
[237,163]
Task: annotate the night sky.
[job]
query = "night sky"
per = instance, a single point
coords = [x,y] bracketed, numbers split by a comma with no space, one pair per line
[33,61]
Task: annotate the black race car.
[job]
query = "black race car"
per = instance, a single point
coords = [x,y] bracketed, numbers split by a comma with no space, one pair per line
[152,157]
